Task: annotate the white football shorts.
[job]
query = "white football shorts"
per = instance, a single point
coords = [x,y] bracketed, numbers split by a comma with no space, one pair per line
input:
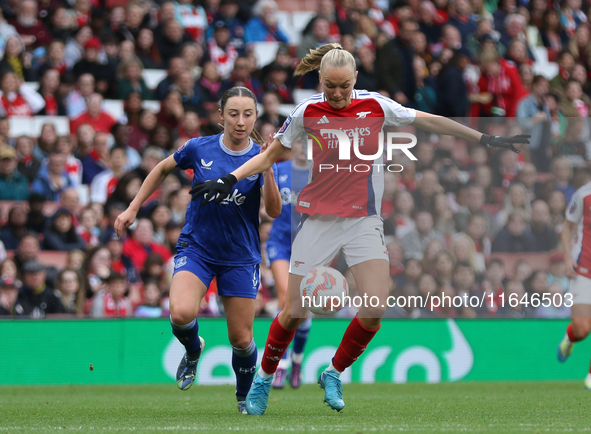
[321,238]
[580,288]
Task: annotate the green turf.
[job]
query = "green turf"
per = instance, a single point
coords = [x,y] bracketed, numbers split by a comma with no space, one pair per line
[472,407]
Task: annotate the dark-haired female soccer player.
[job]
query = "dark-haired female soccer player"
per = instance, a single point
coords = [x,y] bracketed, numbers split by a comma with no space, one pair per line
[218,241]
[342,207]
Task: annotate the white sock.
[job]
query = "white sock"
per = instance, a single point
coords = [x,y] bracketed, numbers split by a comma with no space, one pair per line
[297,358]
[332,368]
[263,374]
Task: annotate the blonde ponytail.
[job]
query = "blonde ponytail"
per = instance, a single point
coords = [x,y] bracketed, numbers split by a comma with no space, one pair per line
[325,55]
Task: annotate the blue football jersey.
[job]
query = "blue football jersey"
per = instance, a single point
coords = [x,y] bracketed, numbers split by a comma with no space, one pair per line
[227,233]
[291,180]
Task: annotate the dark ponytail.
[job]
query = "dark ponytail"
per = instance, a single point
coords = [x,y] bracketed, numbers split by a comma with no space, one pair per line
[243,91]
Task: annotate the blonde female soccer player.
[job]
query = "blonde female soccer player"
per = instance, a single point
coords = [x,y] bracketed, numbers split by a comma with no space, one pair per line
[342,208]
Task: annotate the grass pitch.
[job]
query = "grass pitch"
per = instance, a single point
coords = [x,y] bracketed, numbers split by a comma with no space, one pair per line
[473,407]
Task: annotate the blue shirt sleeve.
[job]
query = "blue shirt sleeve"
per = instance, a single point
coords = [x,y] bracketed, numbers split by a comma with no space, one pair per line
[186,155]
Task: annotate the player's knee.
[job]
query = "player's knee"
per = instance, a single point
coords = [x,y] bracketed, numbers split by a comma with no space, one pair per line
[369,312]
[582,327]
[240,341]
[181,315]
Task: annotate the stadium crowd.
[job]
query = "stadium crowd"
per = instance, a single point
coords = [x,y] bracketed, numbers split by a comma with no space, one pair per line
[455,219]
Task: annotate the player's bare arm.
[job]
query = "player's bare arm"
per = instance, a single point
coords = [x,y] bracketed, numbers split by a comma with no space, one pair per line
[271,194]
[441,125]
[149,186]
[566,237]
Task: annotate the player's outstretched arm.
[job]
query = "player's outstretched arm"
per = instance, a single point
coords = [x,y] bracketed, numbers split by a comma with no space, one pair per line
[149,186]
[219,189]
[271,195]
[442,125]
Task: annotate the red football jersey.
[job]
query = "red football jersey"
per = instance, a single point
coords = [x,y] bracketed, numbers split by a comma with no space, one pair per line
[579,211]
[343,188]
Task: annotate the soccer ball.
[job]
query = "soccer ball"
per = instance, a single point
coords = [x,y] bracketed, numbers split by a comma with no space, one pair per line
[323,290]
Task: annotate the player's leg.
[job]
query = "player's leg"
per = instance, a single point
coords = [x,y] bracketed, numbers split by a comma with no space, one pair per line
[240,317]
[281,333]
[186,292]
[238,287]
[297,354]
[367,257]
[310,249]
[580,326]
[280,269]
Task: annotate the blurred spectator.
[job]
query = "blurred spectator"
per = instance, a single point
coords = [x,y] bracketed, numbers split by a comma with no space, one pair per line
[221,50]
[241,77]
[71,290]
[189,89]
[515,237]
[545,237]
[553,36]
[415,241]
[192,18]
[319,35]
[176,66]
[76,100]
[263,27]
[190,127]
[88,227]
[452,95]
[104,183]
[53,180]
[97,159]
[121,134]
[394,65]
[112,302]
[562,171]
[572,147]
[95,116]
[171,42]
[515,199]
[15,228]
[515,308]
[10,302]
[151,307]
[16,99]
[426,191]
[494,284]
[48,87]
[17,60]
[36,219]
[146,50]
[119,262]
[139,136]
[141,241]
[28,165]
[131,80]
[65,146]
[566,64]
[61,233]
[171,110]
[271,113]
[29,27]
[75,45]
[501,79]
[13,184]
[42,299]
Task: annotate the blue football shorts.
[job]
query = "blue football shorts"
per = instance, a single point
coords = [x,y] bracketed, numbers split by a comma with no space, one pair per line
[232,280]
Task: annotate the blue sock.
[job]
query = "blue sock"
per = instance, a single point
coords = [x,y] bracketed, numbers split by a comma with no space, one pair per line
[301,336]
[188,335]
[244,362]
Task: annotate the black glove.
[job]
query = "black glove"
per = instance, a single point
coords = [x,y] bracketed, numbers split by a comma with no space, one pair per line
[504,142]
[214,189]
